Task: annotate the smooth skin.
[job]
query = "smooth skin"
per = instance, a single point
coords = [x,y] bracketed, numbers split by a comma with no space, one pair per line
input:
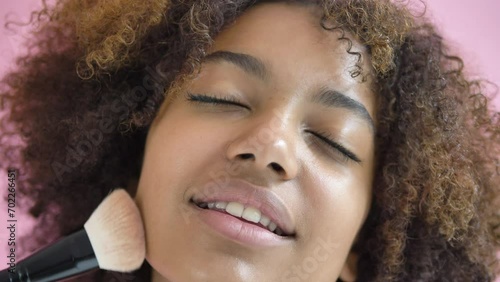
[271,136]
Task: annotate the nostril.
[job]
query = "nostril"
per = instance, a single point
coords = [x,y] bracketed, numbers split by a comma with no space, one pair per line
[277,167]
[246,156]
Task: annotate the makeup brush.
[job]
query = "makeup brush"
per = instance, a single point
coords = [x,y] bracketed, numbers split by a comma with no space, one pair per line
[112,239]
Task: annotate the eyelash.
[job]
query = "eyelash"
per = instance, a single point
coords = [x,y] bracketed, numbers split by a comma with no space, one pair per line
[226,100]
[230,100]
[326,137]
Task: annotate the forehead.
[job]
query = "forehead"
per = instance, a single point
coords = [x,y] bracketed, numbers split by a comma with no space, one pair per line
[290,40]
[278,29]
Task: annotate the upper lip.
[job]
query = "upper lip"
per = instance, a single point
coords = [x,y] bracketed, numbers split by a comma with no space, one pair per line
[262,198]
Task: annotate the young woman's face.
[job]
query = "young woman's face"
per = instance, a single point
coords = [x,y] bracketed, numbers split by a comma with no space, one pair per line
[264,156]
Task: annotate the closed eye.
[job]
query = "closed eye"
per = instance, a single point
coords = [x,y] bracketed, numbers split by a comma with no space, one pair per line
[225,100]
[326,138]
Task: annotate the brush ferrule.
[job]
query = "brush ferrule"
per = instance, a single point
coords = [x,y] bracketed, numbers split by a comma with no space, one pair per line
[67,257]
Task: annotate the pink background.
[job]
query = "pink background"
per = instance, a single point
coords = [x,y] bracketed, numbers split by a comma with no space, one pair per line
[471,26]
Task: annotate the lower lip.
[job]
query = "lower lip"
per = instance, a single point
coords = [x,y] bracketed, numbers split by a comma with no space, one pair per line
[240,231]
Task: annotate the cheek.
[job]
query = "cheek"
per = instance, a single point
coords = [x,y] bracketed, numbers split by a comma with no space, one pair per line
[172,157]
[176,149]
[338,204]
[332,213]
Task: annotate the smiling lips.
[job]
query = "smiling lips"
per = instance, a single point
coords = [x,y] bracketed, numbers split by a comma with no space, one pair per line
[248,213]
[251,204]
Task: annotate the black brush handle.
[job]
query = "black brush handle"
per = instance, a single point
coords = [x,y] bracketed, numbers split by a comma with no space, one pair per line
[67,257]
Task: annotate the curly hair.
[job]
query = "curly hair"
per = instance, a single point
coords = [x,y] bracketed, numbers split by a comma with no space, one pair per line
[83,97]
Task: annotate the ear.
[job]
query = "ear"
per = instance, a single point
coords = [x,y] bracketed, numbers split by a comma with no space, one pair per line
[349,272]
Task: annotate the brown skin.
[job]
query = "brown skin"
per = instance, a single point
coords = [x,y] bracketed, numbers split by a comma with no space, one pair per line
[435,188]
[328,196]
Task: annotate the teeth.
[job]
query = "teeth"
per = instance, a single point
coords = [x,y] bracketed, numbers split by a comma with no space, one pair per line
[264,220]
[248,213]
[251,214]
[272,226]
[234,208]
[220,205]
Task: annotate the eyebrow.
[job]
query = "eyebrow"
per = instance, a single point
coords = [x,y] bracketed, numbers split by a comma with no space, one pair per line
[335,99]
[248,63]
[327,97]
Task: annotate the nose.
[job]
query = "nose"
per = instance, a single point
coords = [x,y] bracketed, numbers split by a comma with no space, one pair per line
[266,145]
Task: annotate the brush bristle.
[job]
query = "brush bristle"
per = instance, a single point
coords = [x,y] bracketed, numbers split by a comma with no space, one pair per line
[116,232]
